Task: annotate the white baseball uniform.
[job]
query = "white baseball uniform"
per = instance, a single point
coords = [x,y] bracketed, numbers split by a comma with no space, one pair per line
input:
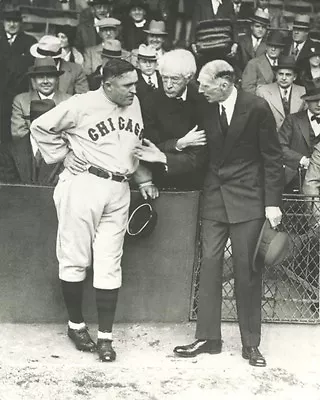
[92,211]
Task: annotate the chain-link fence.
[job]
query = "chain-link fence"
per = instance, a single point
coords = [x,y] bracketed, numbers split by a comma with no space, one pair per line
[291,289]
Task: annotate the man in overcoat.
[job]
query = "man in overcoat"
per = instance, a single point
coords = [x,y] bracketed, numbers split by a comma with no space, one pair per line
[243,186]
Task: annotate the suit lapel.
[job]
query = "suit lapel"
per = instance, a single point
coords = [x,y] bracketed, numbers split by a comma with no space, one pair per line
[265,68]
[276,99]
[295,101]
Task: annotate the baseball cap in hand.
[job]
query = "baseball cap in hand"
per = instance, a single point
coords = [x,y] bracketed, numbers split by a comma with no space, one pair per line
[142,219]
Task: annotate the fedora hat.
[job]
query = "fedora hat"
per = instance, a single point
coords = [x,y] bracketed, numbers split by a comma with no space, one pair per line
[147,52]
[286,62]
[272,246]
[112,49]
[39,107]
[12,14]
[107,23]
[312,90]
[156,28]
[275,38]
[301,21]
[43,66]
[48,46]
[138,3]
[260,17]
[142,219]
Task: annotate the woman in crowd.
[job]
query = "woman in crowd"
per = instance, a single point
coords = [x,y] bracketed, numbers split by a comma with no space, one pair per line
[66,34]
[310,65]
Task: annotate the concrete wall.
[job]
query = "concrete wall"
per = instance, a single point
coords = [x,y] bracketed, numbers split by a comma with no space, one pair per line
[157,271]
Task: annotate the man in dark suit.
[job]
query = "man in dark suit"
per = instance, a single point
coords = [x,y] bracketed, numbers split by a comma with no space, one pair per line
[300,43]
[243,186]
[16,59]
[25,154]
[298,135]
[149,79]
[170,122]
[254,44]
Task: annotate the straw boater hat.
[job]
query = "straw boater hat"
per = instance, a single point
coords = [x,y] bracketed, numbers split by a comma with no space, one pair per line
[312,90]
[260,17]
[286,62]
[275,38]
[43,66]
[112,49]
[156,28]
[147,52]
[301,21]
[48,46]
[107,23]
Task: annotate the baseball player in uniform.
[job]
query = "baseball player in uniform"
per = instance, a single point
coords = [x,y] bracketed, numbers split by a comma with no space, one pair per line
[92,197]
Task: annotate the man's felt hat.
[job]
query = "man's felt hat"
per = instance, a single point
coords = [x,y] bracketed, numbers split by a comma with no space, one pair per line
[301,21]
[312,90]
[156,28]
[39,107]
[48,46]
[272,246]
[107,23]
[43,66]
[286,62]
[111,49]
[12,14]
[138,3]
[275,38]
[147,52]
[260,17]
[142,219]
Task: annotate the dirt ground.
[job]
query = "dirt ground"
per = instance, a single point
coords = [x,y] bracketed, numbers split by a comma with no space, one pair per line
[39,362]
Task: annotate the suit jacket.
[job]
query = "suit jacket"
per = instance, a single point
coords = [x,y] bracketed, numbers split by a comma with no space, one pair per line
[20,148]
[73,81]
[271,93]
[258,72]
[303,52]
[245,172]
[246,52]
[294,136]
[165,121]
[143,89]
[311,184]
[86,34]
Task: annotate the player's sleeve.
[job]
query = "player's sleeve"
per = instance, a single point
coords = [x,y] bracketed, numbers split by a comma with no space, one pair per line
[48,131]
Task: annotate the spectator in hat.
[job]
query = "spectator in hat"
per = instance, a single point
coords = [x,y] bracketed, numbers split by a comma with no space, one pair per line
[277,20]
[149,79]
[253,44]
[15,59]
[135,23]
[108,30]
[172,126]
[259,70]
[300,43]
[299,133]
[110,49]
[73,80]
[31,168]
[87,34]
[310,64]
[66,34]
[156,36]
[283,96]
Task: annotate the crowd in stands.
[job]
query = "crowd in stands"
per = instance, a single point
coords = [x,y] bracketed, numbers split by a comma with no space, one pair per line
[273,58]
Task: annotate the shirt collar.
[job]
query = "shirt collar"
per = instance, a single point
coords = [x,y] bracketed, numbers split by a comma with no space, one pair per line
[230,102]
[271,60]
[43,96]
[288,91]
[300,45]
[140,24]
[153,78]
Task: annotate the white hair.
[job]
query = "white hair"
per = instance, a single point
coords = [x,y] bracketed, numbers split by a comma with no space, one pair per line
[217,69]
[178,61]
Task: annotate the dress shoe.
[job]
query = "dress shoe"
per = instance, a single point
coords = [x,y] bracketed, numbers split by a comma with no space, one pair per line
[105,350]
[198,347]
[82,339]
[254,356]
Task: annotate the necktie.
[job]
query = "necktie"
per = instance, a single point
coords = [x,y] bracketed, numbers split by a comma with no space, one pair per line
[285,102]
[38,158]
[316,118]
[296,50]
[256,45]
[274,62]
[150,83]
[11,39]
[224,121]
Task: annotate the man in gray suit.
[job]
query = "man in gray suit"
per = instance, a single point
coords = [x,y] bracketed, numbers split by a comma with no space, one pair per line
[283,96]
[259,70]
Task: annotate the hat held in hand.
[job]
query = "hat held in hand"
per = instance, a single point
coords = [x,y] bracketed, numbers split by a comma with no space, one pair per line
[272,246]
[39,107]
[142,219]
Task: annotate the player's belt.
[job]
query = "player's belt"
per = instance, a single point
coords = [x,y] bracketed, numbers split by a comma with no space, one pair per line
[108,175]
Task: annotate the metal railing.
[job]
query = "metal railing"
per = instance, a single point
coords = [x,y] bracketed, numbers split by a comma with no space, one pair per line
[291,289]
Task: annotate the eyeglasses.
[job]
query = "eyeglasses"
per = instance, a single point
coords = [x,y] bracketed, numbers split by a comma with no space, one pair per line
[175,80]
